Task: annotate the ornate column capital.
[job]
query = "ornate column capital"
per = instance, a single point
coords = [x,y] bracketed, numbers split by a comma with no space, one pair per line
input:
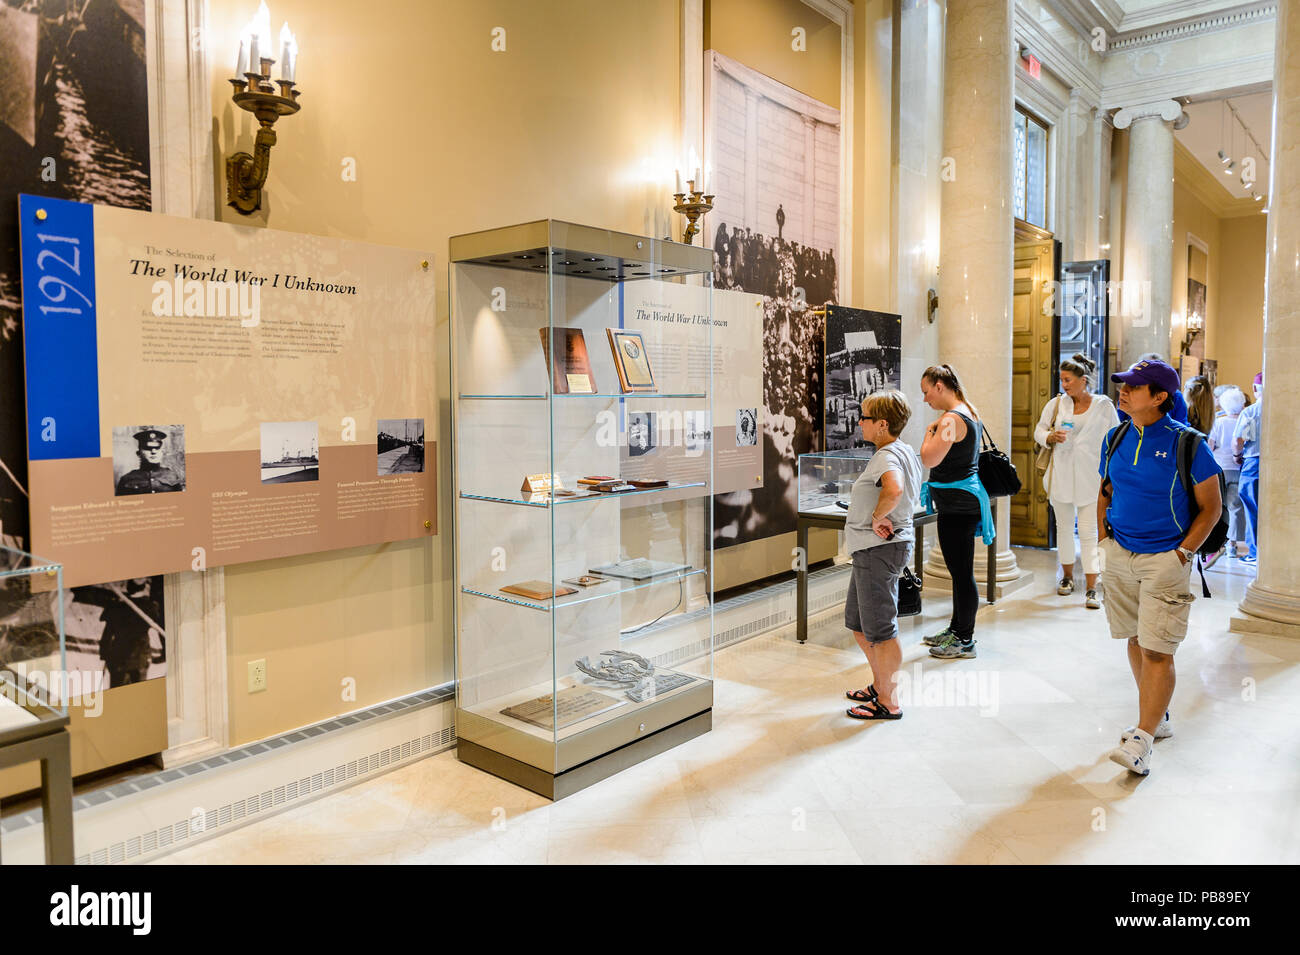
[1166,109]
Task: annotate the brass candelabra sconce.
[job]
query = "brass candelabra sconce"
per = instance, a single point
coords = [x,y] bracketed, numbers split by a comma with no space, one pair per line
[246,173]
[692,203]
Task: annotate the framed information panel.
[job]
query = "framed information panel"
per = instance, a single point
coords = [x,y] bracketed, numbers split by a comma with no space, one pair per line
[201,393]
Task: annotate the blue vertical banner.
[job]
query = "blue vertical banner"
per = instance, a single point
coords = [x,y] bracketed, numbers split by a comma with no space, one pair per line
[57,239]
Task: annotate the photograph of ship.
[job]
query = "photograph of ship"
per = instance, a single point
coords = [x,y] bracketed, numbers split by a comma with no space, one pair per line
[401,446]
[74,124]
[863,353]
[289,452]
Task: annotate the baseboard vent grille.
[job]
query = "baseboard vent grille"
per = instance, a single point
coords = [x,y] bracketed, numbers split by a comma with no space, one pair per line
[243,810]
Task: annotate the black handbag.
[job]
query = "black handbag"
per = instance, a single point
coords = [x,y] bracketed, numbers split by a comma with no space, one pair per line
[997,473]
[909,593]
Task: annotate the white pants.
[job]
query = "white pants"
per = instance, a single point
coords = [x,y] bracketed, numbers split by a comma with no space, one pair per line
[1065,515]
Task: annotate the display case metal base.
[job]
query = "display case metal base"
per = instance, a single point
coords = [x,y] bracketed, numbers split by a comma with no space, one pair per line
[558,785]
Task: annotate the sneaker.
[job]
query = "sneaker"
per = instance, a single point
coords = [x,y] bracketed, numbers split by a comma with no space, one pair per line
[953,649]
[939,638]
[1065,587]
[1163,731]
[1134,754]
[1093,602]
[1248,559]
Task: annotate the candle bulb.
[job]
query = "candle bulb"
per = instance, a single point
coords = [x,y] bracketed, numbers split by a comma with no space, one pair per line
[698,182]
[291,61]
[241,67]
[677,174]
[285,38]
[254,63]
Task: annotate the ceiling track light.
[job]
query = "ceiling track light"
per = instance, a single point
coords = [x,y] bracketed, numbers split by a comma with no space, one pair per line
[1224,157]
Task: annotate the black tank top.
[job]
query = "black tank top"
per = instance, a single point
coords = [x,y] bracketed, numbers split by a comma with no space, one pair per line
[961,461]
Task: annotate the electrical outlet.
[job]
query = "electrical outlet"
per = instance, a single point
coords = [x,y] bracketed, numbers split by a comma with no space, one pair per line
[257,676]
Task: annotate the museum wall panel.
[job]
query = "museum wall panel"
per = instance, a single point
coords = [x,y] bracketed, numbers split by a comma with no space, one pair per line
[407,136]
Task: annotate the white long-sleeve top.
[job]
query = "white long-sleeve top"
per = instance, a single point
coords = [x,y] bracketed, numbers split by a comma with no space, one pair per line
[1073,477]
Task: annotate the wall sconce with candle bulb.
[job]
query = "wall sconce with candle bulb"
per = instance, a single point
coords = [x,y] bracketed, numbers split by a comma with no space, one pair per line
[254,91]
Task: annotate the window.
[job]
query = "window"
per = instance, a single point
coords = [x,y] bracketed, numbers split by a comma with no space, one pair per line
[1029,189]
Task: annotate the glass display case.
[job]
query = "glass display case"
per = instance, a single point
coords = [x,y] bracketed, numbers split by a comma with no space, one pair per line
[826,478]
[32,652]
[582,382]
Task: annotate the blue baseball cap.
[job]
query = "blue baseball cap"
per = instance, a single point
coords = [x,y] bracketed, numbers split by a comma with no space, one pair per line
[1150,372]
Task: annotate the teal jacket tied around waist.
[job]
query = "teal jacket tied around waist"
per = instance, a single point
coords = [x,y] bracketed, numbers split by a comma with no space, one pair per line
[971,485]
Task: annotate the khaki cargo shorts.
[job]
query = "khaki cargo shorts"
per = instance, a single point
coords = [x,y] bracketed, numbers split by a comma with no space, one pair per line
[1147,596]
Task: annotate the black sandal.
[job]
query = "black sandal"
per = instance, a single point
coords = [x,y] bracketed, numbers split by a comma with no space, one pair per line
[877,711]
[868,695]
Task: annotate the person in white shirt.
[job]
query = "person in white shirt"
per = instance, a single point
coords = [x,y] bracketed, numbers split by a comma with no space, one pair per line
[1074,425]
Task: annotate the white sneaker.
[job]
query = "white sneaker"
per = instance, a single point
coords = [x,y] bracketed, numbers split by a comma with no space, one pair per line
[1134,754]
[1093,602]
[1065,587]
[1163,731]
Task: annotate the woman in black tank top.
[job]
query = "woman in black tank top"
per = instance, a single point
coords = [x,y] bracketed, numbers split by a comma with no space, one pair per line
[952,456]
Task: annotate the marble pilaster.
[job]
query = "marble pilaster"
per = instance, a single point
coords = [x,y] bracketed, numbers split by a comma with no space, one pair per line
[1272,601]
[1146,295]
[976,252]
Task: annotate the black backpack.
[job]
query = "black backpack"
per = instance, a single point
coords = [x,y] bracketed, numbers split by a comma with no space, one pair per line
[1189,440]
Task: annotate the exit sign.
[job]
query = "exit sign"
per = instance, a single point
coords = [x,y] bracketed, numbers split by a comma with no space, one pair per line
[1032,64]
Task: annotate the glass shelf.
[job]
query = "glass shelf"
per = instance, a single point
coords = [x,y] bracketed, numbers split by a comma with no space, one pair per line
[571,600]
[584,499]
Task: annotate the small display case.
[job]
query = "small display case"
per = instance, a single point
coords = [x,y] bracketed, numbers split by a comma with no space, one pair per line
[826,478]
[32,650]
[34,689]
[583,370]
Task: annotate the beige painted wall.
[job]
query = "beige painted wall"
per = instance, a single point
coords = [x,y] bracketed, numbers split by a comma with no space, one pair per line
[1234,323]
[574,120]
[1239,343]
[759,34]
[1192,215]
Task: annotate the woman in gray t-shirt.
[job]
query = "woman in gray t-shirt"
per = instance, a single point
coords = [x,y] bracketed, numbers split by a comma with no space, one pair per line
[879,535]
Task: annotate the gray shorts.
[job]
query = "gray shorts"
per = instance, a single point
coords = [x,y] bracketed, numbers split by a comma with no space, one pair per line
[872,605]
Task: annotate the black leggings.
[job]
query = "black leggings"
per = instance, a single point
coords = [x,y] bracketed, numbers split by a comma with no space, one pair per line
[957,539]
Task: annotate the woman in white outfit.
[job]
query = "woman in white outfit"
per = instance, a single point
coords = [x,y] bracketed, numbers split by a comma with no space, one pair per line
[1074,425]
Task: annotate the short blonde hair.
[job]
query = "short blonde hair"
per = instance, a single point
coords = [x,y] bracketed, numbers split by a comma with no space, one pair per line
[889,406]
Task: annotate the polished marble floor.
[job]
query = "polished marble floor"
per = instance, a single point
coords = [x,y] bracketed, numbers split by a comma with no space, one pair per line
[1001,759]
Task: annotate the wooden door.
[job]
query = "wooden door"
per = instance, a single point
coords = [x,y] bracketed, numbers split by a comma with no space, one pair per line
[1033,376]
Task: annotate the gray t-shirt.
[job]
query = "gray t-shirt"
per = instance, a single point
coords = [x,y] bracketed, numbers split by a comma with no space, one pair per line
[897,457]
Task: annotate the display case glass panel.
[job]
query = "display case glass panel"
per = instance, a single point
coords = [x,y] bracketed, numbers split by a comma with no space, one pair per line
[582,379]
[33,657]
[826,479]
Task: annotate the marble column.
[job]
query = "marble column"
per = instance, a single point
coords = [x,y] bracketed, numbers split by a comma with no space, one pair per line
[1272,601]
[976,227]
[1146,295]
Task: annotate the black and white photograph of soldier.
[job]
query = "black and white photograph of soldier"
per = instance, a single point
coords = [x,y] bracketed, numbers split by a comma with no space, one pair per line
[641,434]
[148,459]
[746,427]
[117,629]
[401,445]
[74,124]
[863,354]
[289,452]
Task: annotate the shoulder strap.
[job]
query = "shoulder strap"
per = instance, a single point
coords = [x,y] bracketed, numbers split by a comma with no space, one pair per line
[1115,439]
[1188,440]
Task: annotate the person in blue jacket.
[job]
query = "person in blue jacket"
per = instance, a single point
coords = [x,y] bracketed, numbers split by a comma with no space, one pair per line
[1150,530]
